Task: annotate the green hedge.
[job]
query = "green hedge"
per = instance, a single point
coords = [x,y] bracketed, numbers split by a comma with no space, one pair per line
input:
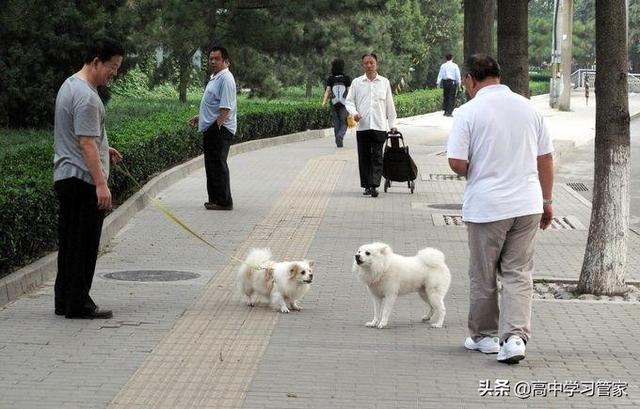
[539,77]
[538,88]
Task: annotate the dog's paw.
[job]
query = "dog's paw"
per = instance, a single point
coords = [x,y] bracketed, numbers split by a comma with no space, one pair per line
[426,318]
[296,307]
[436,325]
[284,310]
[372,324]
[382,325]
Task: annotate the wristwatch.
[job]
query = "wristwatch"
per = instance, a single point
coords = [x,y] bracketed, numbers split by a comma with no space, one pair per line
[547,201]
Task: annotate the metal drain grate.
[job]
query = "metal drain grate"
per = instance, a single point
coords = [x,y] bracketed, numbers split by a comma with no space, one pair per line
[443,176]
[151,275]
[578,187]
[446,206]
[447,220]
[558,223]
[567,223]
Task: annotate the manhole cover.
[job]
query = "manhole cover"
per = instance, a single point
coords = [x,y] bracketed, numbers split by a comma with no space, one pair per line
[448,206]
[151,275]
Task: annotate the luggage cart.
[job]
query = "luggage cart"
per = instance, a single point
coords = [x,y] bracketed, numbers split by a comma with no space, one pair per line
[397,164]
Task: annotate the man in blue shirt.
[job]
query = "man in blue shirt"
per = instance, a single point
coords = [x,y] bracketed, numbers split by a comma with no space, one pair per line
[218,123]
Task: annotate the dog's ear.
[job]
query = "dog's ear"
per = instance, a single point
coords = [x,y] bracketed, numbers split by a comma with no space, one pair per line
[385,249]
[293,270]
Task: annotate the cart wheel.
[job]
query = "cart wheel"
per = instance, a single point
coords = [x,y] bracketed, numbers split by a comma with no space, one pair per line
[387,184]
[412,186]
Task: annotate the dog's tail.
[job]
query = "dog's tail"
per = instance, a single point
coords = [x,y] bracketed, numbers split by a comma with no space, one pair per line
[432,257]
[257,258]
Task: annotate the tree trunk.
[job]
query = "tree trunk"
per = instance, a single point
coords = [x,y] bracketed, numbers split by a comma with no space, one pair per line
[478,27]
[513,45]
[605,258]
[308,87]
[184,74]
[566,54]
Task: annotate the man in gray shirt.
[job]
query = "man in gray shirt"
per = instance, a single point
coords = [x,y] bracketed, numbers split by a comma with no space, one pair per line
[80,173]
[217,122]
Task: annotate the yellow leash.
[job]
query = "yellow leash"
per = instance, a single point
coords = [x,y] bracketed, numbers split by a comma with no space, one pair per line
[173,217]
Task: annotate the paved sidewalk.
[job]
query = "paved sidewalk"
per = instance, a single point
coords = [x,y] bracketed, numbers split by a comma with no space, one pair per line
[194,344]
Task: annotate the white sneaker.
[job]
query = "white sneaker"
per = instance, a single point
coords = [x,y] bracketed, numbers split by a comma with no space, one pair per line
[486,345]
[512,351]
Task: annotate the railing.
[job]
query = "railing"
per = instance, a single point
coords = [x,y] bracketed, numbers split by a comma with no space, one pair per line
[579,77]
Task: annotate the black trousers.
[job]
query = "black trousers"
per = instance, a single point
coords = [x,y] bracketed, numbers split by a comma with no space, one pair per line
[79,229]
[449,89]
[215,144]
[370,143]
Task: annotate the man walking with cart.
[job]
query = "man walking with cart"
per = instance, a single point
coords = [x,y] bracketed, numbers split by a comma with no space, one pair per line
[370,101]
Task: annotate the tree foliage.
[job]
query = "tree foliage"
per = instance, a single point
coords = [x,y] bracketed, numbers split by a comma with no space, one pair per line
[541,30]
[42,44]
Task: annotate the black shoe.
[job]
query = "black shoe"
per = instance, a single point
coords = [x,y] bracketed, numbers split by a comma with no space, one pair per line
[374,192]
[91,314]
[215,206]
[61,310]
[367,191]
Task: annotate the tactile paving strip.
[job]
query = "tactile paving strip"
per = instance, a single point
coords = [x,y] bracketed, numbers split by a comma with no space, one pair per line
[210,356]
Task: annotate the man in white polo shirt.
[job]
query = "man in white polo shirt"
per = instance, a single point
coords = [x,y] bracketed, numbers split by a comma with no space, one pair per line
[370,101]
[449,77]
[500,143]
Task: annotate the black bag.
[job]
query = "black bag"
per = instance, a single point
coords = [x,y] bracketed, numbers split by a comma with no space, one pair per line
[397,164]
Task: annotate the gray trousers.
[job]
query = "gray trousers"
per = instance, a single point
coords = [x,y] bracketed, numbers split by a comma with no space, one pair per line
[501,249]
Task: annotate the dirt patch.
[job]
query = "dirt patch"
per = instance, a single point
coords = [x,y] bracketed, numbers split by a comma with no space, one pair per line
[550,290]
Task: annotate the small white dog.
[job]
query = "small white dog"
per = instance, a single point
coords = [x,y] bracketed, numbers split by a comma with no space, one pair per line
[282,283]
[388,275]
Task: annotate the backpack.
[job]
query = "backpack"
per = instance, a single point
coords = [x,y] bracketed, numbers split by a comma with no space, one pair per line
[338,92]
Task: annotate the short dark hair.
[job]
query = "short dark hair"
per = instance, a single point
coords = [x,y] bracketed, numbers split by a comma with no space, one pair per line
[337,67]
[223,52]
[375,57]
[449,56]
[481,66]
[103,48]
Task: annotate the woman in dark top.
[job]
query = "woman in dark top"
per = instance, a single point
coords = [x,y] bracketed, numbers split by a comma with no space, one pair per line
[337,86]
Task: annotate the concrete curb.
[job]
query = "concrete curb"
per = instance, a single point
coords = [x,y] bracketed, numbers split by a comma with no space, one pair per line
[35,274]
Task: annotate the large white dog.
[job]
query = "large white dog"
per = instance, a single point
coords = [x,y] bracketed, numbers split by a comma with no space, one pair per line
[388,275]
[282,283]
